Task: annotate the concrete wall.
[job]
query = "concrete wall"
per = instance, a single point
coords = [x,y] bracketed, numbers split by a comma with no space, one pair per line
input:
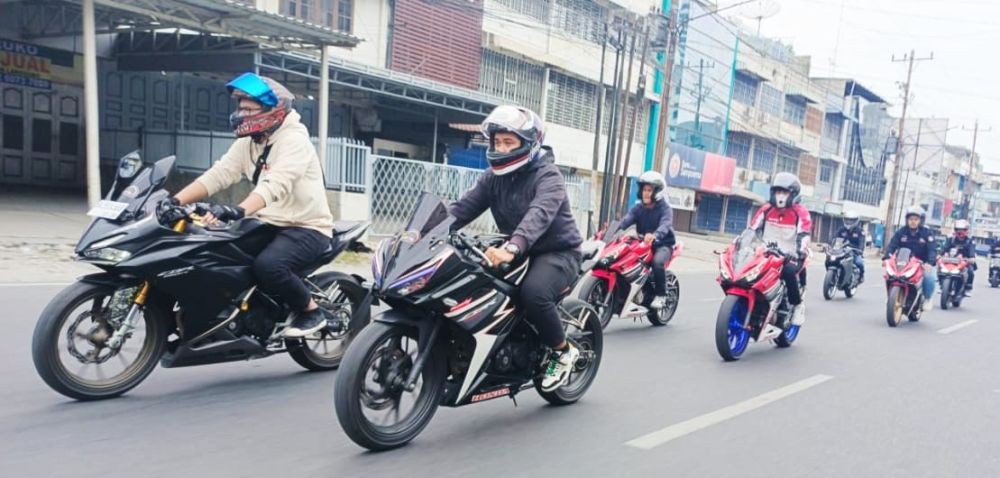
[575,148]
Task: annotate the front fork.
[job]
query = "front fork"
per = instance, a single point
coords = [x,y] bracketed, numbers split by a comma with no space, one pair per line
[128,324]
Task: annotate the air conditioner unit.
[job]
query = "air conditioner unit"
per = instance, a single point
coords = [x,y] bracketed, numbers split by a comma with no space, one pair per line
[747,112]
[762,118]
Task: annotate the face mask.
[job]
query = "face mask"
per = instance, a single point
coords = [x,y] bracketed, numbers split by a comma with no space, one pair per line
[781,199]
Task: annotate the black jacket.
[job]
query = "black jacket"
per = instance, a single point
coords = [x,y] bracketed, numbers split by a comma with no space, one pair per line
[853,236]
[966,248]
[657,220]
[920,242]
[529,204]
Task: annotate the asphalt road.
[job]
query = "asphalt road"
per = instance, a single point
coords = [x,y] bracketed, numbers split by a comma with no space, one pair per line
[852,397]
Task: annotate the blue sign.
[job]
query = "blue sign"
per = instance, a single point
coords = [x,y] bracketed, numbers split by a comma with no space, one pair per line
[685,166]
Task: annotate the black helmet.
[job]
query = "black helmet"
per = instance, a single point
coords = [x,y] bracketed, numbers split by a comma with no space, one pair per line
[788,182]
[519,121]
[654,179]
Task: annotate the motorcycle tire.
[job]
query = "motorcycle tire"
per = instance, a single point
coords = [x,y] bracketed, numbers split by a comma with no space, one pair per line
[663,316]
[894,306]
[830,284]
[351,389]
[946,287]
[594,291]
[731,341]
[45,346]
[311,357]
[589,340]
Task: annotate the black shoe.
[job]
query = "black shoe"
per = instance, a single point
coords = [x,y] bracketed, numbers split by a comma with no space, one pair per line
[305,323]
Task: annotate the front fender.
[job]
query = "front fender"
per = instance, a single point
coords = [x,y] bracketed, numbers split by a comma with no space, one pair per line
[423,325]
[110,279]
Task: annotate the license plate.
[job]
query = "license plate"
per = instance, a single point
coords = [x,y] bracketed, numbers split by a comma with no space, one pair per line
[108,209]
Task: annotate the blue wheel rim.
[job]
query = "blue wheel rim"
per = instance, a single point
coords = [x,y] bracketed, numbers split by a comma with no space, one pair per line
[791,332]
[739,337]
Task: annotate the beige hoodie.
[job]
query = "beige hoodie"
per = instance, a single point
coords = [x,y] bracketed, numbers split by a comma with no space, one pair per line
[291,183]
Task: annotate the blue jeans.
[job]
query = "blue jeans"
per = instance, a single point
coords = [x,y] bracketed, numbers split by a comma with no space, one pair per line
[930,280]
[860,263]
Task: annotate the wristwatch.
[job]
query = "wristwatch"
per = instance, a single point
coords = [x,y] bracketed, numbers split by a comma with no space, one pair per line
[512,248]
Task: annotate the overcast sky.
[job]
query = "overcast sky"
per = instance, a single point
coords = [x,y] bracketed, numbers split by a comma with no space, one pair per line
[960,83]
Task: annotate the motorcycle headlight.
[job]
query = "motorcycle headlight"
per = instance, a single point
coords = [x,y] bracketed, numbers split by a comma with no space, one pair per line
[754,273]
[413,282]
[377,262]
[723,270]
[613,254]
[909,273]
[107,254]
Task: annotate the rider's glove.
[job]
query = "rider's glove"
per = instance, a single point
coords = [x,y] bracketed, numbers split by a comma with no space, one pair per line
[226,213]
[170,211]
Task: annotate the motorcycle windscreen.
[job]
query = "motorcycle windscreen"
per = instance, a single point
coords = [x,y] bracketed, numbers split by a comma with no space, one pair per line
[746,249]
[424,239]
[903,257]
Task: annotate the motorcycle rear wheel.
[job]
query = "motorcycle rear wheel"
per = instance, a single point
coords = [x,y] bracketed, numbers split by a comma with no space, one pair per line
[946,287]
[315,352]
[663,316]
[590,341]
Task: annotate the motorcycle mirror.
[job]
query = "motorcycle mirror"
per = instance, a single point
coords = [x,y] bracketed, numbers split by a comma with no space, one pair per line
[161,170]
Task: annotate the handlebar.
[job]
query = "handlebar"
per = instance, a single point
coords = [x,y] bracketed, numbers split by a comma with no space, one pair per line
[476,247]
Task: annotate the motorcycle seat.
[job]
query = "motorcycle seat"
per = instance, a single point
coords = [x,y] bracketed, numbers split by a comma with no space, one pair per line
[341,228]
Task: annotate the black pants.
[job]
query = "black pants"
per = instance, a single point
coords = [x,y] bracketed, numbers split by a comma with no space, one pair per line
[549,275]
[660,257]
[276,267]
[972,277]
[790,274]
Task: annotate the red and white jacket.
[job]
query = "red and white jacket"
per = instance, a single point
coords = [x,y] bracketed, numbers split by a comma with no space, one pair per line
[789,227]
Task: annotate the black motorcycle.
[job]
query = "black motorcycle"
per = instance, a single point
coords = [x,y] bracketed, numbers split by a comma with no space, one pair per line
[994,270]
[454,335]
[841,271]
[181,293]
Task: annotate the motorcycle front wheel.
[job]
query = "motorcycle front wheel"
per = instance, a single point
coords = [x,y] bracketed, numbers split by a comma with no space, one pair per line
[894,306]
[71,350]
[594,291]
[946,298]
[731,338]
[830,284]
[372,406]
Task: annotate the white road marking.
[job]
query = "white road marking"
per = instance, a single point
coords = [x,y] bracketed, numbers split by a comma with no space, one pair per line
[35,284]
[673,432]
[960,325]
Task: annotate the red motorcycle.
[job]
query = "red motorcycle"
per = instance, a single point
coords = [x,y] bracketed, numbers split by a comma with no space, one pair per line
[620,281]
[953,274]
[756,304]
[904,276]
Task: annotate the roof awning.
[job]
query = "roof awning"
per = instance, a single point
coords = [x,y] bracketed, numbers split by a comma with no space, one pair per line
[467,127]
[231,18]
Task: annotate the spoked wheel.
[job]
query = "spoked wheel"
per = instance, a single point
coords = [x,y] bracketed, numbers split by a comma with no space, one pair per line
[583,329]
[340,296]
[662,316]
[731,338]
[894,306]
[594,291]
[372,405]
[72,346]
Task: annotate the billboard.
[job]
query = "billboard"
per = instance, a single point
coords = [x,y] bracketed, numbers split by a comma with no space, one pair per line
[33,66]
[696,169]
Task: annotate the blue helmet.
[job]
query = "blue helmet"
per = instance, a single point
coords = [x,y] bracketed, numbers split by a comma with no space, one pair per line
[253,86]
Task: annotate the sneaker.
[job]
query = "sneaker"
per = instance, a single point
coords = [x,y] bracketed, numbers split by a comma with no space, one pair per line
[305,323]
[659,302]
[560,364]
[928,305]
[799,315]
[968,292]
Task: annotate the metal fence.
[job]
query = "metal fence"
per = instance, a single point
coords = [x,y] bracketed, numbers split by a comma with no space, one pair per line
[398,183]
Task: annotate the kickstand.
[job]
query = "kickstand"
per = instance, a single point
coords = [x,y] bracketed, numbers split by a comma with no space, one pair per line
[513,399]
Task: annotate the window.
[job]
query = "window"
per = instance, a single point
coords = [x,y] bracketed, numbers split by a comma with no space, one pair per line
[738,148]
[572,102]
[13,132]
[345,15]
[745,90]
[771,100]
[763,156]
[795,111]
[513,79]
[292,8]
[826,172]
[69,138]
[583,19]
[788,160]
[336,14]
[625,114]
[832,127]
[532,8]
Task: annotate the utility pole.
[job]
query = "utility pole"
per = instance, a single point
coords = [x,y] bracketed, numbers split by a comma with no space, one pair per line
[890,213]
[609,149]
[639,95]
[702,95]
[597,133]
[967,200]
[662,127]
[626,87]
[906,182]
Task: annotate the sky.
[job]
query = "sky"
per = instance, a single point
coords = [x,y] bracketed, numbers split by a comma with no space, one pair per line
[858,39]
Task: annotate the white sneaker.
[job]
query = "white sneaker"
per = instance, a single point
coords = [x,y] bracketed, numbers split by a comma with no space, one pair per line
[928,305]
[560,364]
[799,315]
[659,302]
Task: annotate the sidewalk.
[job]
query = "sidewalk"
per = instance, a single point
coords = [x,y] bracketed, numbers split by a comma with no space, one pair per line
[40,231]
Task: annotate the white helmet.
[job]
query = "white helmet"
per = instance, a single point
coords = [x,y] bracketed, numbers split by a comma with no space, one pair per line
[851,219]
[654,179]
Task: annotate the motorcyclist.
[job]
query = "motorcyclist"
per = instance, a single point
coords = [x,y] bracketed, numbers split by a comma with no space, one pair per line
[787,223]
[273,150]
[854,236]
[961,241]
[653,219]
[920,240]
[526,194]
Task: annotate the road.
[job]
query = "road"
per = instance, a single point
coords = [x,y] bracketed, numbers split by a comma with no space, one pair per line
[851,398]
